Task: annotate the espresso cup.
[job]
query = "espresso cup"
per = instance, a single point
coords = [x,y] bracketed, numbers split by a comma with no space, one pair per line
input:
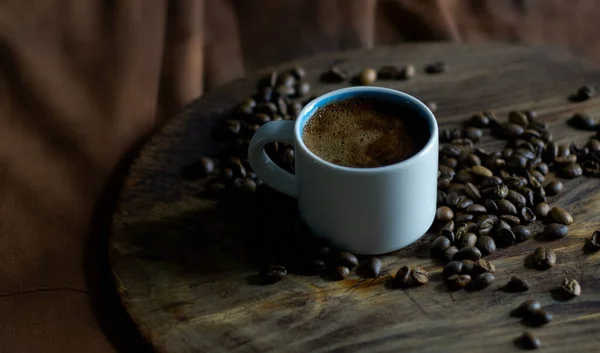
[363,210]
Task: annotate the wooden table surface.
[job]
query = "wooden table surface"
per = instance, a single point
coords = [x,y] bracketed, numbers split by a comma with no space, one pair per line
[185,272]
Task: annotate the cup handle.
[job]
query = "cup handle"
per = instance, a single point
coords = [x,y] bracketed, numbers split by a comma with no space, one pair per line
[263,166]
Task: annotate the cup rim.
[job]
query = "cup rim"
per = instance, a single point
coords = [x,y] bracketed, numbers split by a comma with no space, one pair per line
[352,92]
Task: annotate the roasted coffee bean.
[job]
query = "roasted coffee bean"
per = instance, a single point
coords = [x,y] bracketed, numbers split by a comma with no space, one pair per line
[449,226]
[583,122]
[501,224]
[565,160]
[407,72]
[556,231]
[237,167]
[563,151]
[263,113]
[561,216]
[368,76]
[371,267]
[550,153]
[441,197]
[538,317]
[539,194]
[592,245]
[463,202]
[472,160]
[539,177]
[593,145]
[526,215]
[289,158]
[273,274]
[476,208]
[451,198]
[491,182]
[346,259]
[461,229]
[506,207]
[432,106]
[286,79]
[516,162]
[468,266]
[542,168]
[449,253]
[237,182]
[199,169]
[472,133]
[585,92]
[528,341]
[542,209]
[402,278]
[444,214]
[517,284]
[491,206]
[570,287]
[298,72]
[519,118]
[521,233]
[340,272]
[481,171]
[388,72]
[553,188]
[482,266]
[504,237]
[419,276]
[472,191]
[485,244]
[513,183]
[457,187]
[452,268]
[515,198]
[334,75]
[467,239]
[529,196]
[571,171]
[439,245]
[481,281]
[486,224]
[511,220]
[436,67]
[496,163]
[457,282]
[248,185]
[526,308]
[464,217]
[479,120]
[449,162]
[507,153]
[510,130]
[547,136]
[496,193]
[450,151]
[284,90]
[302,89]
[544,258]
[468,253]
[463,176]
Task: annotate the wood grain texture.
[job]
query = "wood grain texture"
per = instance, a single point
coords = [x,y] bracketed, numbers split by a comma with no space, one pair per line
[186,275]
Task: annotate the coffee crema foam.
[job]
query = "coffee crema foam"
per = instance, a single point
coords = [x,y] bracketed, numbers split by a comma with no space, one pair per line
[365,133]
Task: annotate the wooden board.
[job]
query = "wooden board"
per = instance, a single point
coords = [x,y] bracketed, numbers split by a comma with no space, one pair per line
[185,271]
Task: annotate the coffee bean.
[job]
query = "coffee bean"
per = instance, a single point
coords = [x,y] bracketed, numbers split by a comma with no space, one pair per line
[496,193]
[407,72]
[561,216]
[289,158]
[432,106]
[519,118]
[482,265]
[476,208]
[248,185]
[457,282]
[517,284]
[302,89]
[449,225]
[472,191]
[553,188]
[585,92]
[472,160]
[485,244]
[449,253]
[491,182]
[339,272]
[388,72]
[402,278]
[436,67]
[529,196]
[439,245]
[521,233]
[441,197]
[556,231]
[542,168]
[491,206]
[571,171]
[199,169]
[507,153]
[450,151]
[583,122]
[526,215]
[511,220]
[449,162]
[334,75]
[539,194]
[419,276]
[593,145]
[298,72]
[538,317]
[504,237]
[464,217]
[371,267]
[463,202]
[472,133]
[451,198]
[501,224]
[510,130]
[467,239]
[236,166]
[527,341]
[479,120]
[468,253]
[482,280]
[506,207]
[516,198]
[468,266]
[273,274]
[570,287]
[461,230]
[563,151]
[237,182]
[444,214]
[452,268]
[457,187]
[368,76]
[481,171]
[565,160]
[544,258]
[448,234]
[463,176]
[346,259]
[592,245]
[526,308]
[542,209]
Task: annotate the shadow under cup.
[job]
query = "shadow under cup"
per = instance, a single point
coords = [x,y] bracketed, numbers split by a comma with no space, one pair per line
[363,210]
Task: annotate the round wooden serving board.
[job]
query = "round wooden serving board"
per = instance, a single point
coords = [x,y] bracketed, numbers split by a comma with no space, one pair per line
[185,268]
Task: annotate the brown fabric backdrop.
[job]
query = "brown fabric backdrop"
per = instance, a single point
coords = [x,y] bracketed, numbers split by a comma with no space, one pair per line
[83,80]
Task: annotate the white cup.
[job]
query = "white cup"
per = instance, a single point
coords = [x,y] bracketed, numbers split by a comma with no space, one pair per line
[363,210]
